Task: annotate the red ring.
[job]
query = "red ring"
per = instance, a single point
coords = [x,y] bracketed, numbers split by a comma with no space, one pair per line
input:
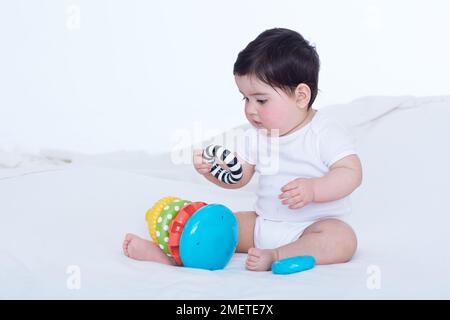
[176,228]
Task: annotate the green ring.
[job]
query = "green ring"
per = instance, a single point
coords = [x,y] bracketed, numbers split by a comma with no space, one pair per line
[165,218]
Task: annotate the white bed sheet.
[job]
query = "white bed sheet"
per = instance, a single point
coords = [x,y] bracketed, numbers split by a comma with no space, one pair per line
[56,216]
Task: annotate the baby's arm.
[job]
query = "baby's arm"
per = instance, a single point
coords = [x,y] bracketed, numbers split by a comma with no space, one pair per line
[343,178]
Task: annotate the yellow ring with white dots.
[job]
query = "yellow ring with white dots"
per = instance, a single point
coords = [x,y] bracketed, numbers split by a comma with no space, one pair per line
[154,212]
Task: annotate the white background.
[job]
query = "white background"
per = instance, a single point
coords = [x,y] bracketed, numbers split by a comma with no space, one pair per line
[128,74]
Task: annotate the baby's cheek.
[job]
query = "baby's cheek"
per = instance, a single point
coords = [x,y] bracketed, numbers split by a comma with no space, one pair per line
[272,118]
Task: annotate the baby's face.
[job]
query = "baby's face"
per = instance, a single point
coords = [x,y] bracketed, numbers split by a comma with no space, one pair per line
[267,108]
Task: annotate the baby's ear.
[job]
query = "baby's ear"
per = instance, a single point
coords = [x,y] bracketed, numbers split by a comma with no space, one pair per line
[302,95]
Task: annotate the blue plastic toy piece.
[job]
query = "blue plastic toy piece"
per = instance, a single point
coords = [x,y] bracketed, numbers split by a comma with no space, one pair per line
[293,264]
[209,238]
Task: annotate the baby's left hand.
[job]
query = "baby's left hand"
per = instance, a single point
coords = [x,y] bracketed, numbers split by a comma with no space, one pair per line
[297,193]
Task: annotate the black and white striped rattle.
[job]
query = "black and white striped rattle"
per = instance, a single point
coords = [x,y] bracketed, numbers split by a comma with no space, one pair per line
[213,153]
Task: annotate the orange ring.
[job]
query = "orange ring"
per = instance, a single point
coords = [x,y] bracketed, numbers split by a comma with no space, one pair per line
[176,228]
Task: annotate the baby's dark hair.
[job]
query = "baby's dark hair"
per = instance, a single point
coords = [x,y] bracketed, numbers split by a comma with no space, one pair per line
[281,58]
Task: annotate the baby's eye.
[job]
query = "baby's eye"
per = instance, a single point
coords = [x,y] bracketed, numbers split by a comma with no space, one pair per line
[261,101]
[244,98]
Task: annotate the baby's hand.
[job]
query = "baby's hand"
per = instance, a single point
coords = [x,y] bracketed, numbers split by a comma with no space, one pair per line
[297,193]
[200,164]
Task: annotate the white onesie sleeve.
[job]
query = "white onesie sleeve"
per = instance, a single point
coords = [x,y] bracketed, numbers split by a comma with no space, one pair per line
[335,142]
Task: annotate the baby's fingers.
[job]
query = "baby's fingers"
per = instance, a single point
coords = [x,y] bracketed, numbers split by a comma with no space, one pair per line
[204,168]
[204,171]
[198,151]
[289,194]
[197,157]
[293,200]
[298,205]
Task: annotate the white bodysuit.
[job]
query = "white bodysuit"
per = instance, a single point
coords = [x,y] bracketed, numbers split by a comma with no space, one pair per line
[308,152]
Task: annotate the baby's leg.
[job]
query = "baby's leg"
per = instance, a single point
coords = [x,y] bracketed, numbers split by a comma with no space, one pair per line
[246,221]
[137,248]
[328,241]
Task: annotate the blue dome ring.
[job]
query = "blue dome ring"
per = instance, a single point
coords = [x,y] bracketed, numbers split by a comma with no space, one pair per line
[209,238]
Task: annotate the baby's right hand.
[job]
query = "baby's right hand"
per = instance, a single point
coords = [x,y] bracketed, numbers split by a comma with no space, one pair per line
[200,164]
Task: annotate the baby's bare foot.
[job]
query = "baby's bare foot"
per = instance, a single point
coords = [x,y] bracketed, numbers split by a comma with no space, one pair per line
[137,248]
[260,259]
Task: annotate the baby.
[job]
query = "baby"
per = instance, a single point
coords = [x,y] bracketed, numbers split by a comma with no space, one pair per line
[301,206]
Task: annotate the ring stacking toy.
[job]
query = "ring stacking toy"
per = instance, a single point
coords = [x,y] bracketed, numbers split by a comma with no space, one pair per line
[213,154]
[194,234]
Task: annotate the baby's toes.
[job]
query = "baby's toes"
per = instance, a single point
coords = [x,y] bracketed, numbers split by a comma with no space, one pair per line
[129,237]
[251,265]
[254,252]
[252,262]
[252,259]
[125,247]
